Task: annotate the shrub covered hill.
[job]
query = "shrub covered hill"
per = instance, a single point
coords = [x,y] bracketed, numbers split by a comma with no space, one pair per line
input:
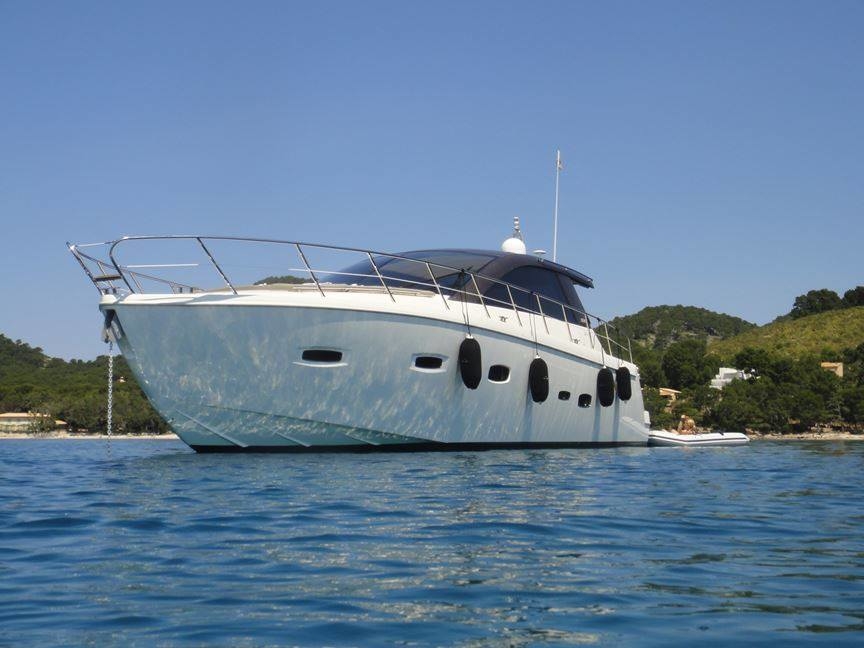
[74,391]
[656,327]
[824,334]
[788,389]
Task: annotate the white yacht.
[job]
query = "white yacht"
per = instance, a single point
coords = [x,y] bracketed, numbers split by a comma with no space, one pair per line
[424,350]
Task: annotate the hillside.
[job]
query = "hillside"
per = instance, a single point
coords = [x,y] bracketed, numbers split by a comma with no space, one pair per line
[280,279]
[74,391]
[657,327]
[821,334]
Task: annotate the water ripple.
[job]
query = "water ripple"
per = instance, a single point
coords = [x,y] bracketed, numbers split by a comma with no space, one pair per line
[156,545]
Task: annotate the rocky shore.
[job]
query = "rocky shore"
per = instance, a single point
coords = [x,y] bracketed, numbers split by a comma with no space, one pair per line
[62,434]
[817,434]
[828,435]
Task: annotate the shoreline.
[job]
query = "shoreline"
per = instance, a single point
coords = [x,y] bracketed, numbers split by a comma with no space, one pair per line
[170,436]
[89,437]
[806,436]
[828,435]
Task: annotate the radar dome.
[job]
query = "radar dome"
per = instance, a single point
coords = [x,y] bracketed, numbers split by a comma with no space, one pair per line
[515,244]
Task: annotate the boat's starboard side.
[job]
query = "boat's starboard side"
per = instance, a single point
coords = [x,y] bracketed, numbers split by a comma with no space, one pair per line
[229,372]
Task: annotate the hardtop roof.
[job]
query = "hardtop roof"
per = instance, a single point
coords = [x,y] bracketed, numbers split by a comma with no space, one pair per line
[504,262]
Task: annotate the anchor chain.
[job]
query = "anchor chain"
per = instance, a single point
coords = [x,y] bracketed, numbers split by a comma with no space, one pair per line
[110,387]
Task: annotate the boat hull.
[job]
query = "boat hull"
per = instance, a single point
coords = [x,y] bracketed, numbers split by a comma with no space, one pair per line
[231,377]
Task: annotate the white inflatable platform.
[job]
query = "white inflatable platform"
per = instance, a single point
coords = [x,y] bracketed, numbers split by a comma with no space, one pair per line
[664,438]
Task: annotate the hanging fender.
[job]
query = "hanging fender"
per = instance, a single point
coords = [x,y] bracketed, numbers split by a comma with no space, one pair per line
[470,363]
[622,379]
[538,380]
[606,387]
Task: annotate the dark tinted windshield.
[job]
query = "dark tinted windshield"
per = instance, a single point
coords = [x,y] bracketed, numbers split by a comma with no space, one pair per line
[542,290]
[408,273]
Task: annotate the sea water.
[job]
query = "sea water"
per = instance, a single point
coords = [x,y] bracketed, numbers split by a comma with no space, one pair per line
[146,543]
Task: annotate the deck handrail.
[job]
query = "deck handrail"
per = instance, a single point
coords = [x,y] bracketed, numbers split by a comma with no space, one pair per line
[111,272]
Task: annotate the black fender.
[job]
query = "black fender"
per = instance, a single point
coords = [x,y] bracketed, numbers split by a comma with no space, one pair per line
[538,380]
[606,387]
[622,379]
[470,363]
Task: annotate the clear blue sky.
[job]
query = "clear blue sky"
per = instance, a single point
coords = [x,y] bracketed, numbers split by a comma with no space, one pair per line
[714,150]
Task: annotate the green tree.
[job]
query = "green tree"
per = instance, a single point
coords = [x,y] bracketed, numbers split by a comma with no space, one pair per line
[784,394]
[737,409]
[685,365]
[815,301]
[854,297]
[655,404]
[704,400]
[649,362]
[853,365]
[281,279]
[75,391]
[41,422]
[852,403]
[659,326]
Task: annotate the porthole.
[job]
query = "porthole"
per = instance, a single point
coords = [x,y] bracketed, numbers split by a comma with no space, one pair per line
[323,356]
[563,395]
[428,362]
[584,400]
[499,373]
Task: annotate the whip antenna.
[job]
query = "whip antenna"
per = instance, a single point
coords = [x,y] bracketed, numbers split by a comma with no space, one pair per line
[559,166]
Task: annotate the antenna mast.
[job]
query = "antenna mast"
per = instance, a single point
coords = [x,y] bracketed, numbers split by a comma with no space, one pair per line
[558,166]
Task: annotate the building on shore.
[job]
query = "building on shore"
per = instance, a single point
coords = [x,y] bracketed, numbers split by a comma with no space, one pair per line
[27,421]
[671,395]
[726,375]
[834,367]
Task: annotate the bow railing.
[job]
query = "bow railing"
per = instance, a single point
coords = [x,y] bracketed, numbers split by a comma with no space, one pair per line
[455,287]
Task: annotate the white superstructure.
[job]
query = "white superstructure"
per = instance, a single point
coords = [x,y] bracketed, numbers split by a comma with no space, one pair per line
[373,357]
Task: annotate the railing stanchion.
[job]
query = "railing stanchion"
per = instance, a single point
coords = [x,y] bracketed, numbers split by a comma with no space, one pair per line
[567,322]
[380,278]
[513,304]
[137,283]
[600,341]
[482,302]
[215,265]
[437,287]
[542,314]
[309,269]
[117,266]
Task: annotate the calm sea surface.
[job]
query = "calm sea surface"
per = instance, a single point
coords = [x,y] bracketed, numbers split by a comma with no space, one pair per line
[144,542]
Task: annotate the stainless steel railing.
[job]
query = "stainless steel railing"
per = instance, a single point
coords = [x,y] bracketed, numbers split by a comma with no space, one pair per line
[109,276]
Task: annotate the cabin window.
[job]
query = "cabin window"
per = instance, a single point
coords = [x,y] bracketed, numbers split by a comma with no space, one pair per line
[412,272]
[563,395]
[547,284]
[584,400]
[578,316]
